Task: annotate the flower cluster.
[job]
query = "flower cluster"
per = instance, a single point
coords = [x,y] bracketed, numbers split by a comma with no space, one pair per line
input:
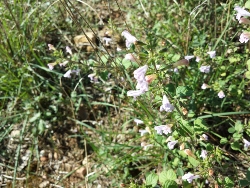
[241,13]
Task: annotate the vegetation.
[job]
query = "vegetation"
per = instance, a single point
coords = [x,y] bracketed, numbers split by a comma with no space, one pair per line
[124,94]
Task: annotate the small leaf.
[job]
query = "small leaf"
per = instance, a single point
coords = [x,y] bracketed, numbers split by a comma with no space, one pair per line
[238,126]
[193,161]
[231,130]
[171,175]
[244,183]
[152,179]
[248,175]
[235,146]
[35,117]
[247,74]
[183,91]
[229,182]
[179,172]
[163,177]
[170,184]
[223,141]
[200,126]
[247,5]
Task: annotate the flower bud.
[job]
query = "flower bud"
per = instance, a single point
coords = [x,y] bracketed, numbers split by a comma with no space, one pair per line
[181,62]
[244,21]
[150,78]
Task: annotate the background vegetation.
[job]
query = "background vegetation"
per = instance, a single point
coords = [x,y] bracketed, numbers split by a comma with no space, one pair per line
[82,130]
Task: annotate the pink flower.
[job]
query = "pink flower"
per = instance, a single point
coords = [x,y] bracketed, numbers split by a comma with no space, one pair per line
[130,57]
[204,86]
[68,50]
[203,154]
[241,12]
[190,177]
[244,37]
[166,105]
[212,54]
[246,144]
[163,129]
[171,144]
[221,94]
[205,69]
[130,39]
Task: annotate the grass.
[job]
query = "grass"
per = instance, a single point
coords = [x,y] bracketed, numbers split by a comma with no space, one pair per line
[81,131]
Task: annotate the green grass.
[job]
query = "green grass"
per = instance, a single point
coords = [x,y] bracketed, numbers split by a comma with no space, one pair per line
[90,126]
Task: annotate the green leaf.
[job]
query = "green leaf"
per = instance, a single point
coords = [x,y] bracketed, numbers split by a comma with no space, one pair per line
[231,130]
[152,179]
[35,117]
[229,182]
[41,127]
[244,183]
[170,184]
[126,63]
[235,146]
[223,141]
[200,126]
[183,91]
[247,5]
[163,177]
[179,172]
[248,175]
[247,74]
[171,175]
[193,161]
[238,126]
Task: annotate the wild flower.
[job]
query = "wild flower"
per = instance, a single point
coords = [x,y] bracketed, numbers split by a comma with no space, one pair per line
[51,47]
[212,54]
[166,105]
[244,37]
[138,121]
[246,144]
[130,57]
[205,69]
[241,12]
[204,137]
[204,86]
[197,59]
[63,63]
[67,74]
[130,39]
[171,144]
[134,93]
[142,131]
[51,65]
[158,67]
[93,78]
[190,177]
[166,129]
[221,94]
[188,57]
[68,49]
[142,85]
[107,40]
[139,73]
[145,145]
[203,154]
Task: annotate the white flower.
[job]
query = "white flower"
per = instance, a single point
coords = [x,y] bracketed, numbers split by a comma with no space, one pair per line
[130,57]
[190,177]
[107,40]
[204,86]
[142,85]
[204,137]
[63,63]
[51,66]
[130,39]
[93,78]
[244,37]
[171,144]
[118,49]
[134,93]
[77,71]
[176,70]
[188,57]
[143,132]
[221,94]
[138,121]
[163,129]
[205,69]
[203,154]
[68,50]
[145,145]
[241,12]
[246,144]
[157,67]
[67,74]
[197,59]
[139,73]
[166,105]
[51,47]
[212,54]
